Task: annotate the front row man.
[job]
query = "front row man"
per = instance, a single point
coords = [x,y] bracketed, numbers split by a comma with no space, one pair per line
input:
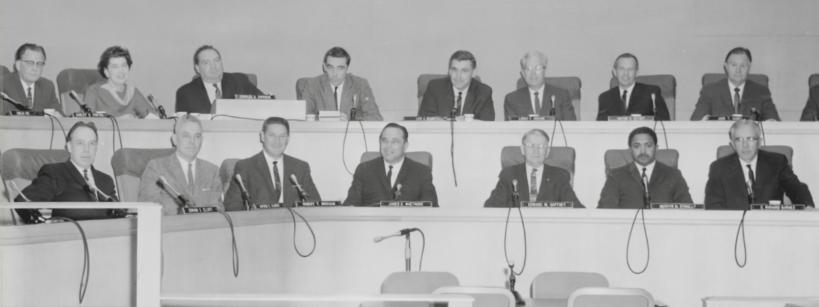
[625,185]
[392,176]
[534,180]
[751,175]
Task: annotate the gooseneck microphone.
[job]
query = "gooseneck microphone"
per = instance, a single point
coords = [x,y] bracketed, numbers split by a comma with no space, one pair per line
[552,111]
[182,201]
[510,264]
[302,194]
[397,192]
[85,109]
[106,197]
[159,108]
[243,190]
[15,103]
[515,193]
[399,233]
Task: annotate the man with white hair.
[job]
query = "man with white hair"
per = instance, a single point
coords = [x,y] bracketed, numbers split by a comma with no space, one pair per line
[537,98]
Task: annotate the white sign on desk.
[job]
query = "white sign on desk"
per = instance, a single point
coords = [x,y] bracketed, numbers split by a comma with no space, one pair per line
[259,108]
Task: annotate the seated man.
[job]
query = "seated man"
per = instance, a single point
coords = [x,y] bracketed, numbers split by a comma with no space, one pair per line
[811,110]
[184,173]
[26,85]
[630,97]
[338,90]
[537,98]
[267,175]
[534,180]
[626,185]
[212,83]
[736,94]
[751,175]
[459,93]
[73,180]
[392,176]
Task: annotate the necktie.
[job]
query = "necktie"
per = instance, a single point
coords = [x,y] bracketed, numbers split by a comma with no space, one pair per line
[277,182]
[85,175]
[625,101]
[645,181]
[389,175]
[736,100]
[218,93]
[533,185]
[29,97]
[335,95]
[459,104]
[538,104]
[751,181]
[190,179]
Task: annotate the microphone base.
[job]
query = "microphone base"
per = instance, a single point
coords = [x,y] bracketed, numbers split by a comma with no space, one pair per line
[518,299]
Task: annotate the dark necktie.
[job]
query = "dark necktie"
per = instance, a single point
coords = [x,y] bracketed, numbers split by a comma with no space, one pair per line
[625,102]
[751,179]
[645,181]
[218,93]
[190,179]
[389,176]
[459,104]
[736,100]
[538,104]
[30,97]
[85,175]
[335,95]
[533,185]
[277,182]
[88,184]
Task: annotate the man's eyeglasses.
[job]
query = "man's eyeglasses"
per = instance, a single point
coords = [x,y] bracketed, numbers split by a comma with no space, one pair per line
[537,69]
[32,63]
[536,146]
[750,139]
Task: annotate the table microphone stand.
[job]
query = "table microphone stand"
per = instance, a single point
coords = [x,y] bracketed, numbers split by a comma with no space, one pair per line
[512,280]
[407,253]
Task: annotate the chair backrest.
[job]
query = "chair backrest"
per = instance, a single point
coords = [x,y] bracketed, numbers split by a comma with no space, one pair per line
[610,297]
[615,158]
[484,296]
[417,282]
[559,156]
[571,84]
[251,77]
[21,166]
[226,172]
[423,82]
[787,151]
[813,80]
[423,157]
[3,73]
[667,85]
[560,285]
[128,165]
[301,83]
[75,79]
[715,77]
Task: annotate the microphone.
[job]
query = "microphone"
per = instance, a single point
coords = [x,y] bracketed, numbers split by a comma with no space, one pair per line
[654,105]
[515,193]
[397,191]
[182,200]
[757,114]
[302,194]
[98,191]
[552,104]
[85,109]
[353,109]
[159,109]
[243,189]
[402,232]
[15,103]
[646,195]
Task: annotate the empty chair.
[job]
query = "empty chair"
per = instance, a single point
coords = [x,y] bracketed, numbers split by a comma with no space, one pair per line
[301,84]
[714,77]
[785,150]
[21,166]
[615,158]
[610,297]
[571,84]
[562,157]
[423,82]
[226,172]
[667,85]
[484,296]
[77,80]
[416,283]
[128,165]
[560,285]
[813,80]
[423,157]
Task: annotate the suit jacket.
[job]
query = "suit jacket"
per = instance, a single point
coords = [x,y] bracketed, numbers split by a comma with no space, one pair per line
[716,99]
[811,110]
[45,97]
[319,96]
[726,182]
[62,182]
[259,183]
[519,103]
[610,103]
[206,190]
[554,186]
[193,98]
[624,190]
[99,98]
[438,100]
[371,185]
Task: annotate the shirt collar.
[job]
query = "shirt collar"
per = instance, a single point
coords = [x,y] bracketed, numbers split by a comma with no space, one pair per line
[269,159]
[741,87]
[649,168]
[185,162]
[752,162]
[395,166]
[629,89]
[26,85]
[539,90]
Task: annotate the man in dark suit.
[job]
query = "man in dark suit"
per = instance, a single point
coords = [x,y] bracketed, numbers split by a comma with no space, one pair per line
[630,97]
[626,185]
[533,180]
[811,110]
[26,85]
[338,90]
[267,175]
[459,93]
[73,180]
[212,83]
[537,98]
[736,94]
[392,176]
[751,175]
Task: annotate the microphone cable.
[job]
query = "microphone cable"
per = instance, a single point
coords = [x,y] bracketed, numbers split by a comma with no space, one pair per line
[741,228]
[452,149]
[662,125]
[562,131]
[423,248]
[52,119]
[344,144]
[293,214]
[235,249]
[525,242]
[115,131]
[640,212]
[86,261]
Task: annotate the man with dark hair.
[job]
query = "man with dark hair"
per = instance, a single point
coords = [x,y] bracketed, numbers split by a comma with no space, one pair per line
[536,181]
[626,185]
[338,90]
[750,175]
[392,176]
[811,110]
[73,180]
[459,93]
[266,175]
[736,94]
[630,97]
[26,85]
[211,83]
[537,97]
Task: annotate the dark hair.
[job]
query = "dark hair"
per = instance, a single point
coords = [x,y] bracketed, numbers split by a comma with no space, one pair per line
[739,50]
[642,130]
[627,55]
[463,55]
[394,125]
[203,48]
[79,124]
[28,46]
[337,52]
[113,52]
[276,120]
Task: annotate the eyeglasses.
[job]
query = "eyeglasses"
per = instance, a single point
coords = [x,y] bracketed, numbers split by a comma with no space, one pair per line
[32,63]
[750,139]
[536,146]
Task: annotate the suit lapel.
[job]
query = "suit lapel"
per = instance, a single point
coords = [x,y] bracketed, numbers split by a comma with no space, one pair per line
[261,163]
[328,100]
[634,101]
[382,176]
[346,99]
[16,89]
[402,173]
[469,103]
[449,95]
[727,99]
[175,169]
[227,86]
[523,186]
[545,181]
